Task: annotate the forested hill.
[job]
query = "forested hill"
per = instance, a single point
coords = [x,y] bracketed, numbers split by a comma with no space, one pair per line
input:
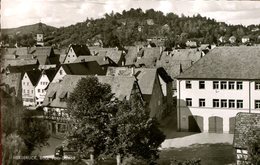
[120,29]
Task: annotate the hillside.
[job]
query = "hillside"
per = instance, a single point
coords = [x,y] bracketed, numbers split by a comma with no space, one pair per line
[28,29]
[128,27]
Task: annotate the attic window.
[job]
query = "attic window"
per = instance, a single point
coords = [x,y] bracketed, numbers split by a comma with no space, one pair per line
[52,95]
[63,96]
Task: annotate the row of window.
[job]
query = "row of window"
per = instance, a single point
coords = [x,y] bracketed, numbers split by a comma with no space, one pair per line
[28,100]
[42,83]
[39,90]
[223,103]
[223,85]
[28,91]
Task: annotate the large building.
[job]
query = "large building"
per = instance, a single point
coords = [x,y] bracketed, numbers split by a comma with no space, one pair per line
[218,86]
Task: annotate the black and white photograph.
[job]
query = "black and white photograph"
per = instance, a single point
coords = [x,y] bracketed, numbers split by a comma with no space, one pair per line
[130,82]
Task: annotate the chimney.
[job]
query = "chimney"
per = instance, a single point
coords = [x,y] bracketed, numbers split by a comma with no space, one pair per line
[161,49]
[133,71]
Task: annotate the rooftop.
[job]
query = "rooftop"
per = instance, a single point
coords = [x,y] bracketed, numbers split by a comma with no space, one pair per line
[241,62]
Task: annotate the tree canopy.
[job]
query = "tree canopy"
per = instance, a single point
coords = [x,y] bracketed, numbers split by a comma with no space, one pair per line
[106,126]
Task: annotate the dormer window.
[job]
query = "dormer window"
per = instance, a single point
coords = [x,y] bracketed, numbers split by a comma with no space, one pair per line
[63,96]
[61,72]
[51,96]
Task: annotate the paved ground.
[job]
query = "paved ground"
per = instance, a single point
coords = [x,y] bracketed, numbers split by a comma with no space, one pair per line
[49,150]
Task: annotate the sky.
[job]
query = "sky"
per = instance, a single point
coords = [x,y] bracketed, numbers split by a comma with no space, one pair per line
[15,13]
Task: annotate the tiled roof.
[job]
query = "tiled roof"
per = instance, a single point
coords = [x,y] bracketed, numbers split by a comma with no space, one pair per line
[80,50]
[101,60]
[83,68]
[227,63]
[145,76]
[19,62]
[120,86]
[244,122]
[131,55]
[22,69]
[50,73]
[34,76]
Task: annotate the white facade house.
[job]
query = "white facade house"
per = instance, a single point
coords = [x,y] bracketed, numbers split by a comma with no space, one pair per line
[40,88]
[29,82]
[223,83]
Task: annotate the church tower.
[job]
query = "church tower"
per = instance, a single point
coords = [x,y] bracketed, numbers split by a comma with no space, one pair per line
[39,36]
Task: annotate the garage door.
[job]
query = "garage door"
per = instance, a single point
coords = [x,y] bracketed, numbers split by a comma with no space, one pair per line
[215,124]
[195,123]
[232,124]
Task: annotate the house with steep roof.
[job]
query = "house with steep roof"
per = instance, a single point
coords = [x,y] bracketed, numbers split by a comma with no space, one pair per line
[117,56]
[148,56]
[29,82]
[74,51]
[213,90]
[81,68]
[43,82]
[177,61]
[247,126]
[155,86]
[55,101]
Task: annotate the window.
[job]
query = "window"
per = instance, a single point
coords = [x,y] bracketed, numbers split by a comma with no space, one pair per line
[24,91]
[231,85]
[31,91]
[223,103]
[239,103]
[215,102]
[223,85]
[188,102]
[201,84]
[27,83]
[231,103]
[188,84]
[42,90]
[23,83]
[257,104]
[257,85]
[239,85]
[215,85]
[28,91]
[39,90]
[60,72]
[202,102]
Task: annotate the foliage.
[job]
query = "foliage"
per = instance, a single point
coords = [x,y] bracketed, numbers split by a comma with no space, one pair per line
[12,146]
[110,127]
[186,162]
[121,29]
[34,132]
[90,109]
[252,141]
[137,134]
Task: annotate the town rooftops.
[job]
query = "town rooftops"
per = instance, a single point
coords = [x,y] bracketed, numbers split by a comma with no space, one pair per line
[145,76]
[100,60]
[120,86]
[244,122]
[83,68]
[80,49]
[21,69]
[241,63]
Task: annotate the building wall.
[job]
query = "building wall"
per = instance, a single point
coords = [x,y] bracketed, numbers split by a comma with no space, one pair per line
[40,91]
[157,104]
[39,38]
[28,91]
[248,94]
[71,56]
[59,75]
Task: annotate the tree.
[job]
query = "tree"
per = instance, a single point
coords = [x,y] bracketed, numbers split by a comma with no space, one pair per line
[138,135]
[107,128]
[33,131]
[12,146]
[90,108]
